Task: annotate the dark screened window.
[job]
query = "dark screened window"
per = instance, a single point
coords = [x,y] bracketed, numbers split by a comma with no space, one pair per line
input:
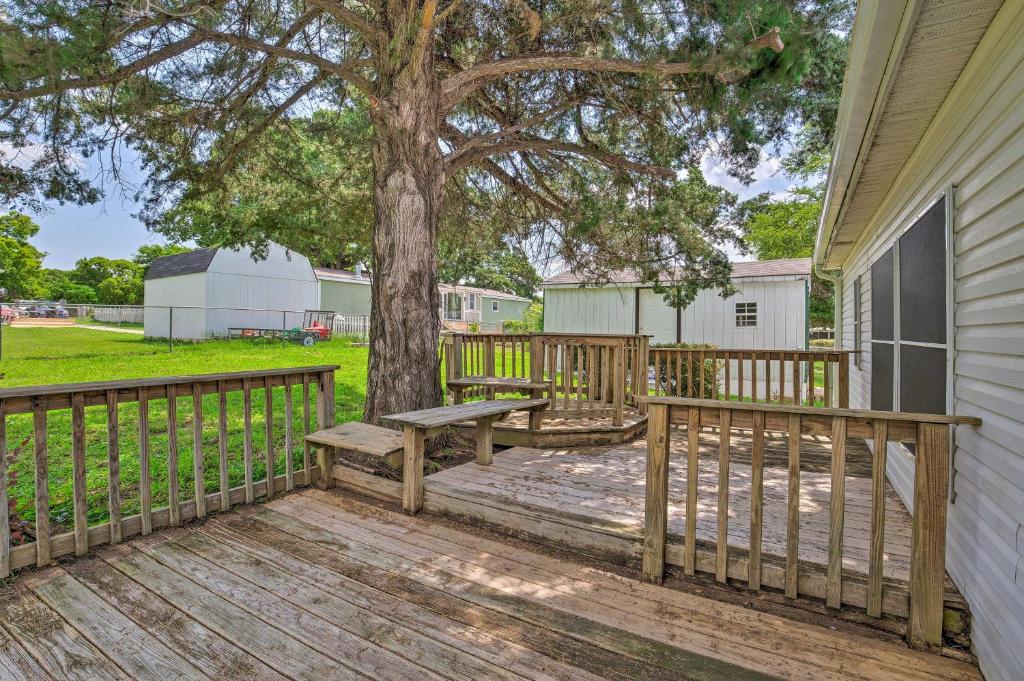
[882,297]
[908,319]
[923,278]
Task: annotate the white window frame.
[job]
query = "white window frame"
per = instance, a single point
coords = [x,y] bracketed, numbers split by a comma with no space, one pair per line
[746,312]
[494,306]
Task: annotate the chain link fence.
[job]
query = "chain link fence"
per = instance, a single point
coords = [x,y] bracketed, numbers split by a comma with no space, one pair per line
[47,330]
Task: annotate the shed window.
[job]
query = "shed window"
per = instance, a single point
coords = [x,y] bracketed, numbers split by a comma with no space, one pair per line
[746,314]
[471,302]
[494,306]
[908,327]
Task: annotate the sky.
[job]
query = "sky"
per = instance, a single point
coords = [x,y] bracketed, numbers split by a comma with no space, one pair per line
[109,229]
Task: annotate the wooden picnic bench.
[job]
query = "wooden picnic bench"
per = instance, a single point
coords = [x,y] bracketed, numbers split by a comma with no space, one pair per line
[458,386]
[424,423]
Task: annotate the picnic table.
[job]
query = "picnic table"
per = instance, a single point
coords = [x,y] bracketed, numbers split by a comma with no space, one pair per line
[424,423]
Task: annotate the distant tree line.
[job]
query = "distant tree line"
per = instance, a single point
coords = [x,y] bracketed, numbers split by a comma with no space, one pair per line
[107,281]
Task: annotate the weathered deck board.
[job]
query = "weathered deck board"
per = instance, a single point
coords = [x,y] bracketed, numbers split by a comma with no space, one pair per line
[316,585]
[607,484]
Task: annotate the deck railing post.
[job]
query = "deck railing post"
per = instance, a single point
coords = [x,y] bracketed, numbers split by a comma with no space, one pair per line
[928,538]
[618,380]
[656,497]
[843,384]
[325,419]
[412,470]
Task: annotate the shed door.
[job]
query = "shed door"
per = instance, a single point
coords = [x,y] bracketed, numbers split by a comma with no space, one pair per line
[656,317]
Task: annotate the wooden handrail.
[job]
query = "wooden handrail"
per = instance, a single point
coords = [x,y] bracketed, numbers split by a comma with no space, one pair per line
[930,434]
[40,401]
[787,375]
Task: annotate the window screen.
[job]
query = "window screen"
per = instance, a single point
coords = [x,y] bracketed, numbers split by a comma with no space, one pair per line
[922,379]
[882,297]
[881,376]
[923,278]
[746,314]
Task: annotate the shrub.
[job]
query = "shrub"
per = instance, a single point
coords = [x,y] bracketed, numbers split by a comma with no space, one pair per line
[663,376]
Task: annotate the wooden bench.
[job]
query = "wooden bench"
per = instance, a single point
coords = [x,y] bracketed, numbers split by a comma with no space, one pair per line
[509,384]
[419,425]
[364,438]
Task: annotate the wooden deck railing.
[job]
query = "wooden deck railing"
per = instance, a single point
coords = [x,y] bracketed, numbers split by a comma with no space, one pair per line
[585,373]
[930,435]
[771,376]
[42,401]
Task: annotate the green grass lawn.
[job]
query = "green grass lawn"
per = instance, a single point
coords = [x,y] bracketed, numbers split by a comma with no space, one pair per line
[72,355]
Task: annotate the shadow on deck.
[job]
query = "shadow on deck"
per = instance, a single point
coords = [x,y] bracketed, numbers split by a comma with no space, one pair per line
[319,585]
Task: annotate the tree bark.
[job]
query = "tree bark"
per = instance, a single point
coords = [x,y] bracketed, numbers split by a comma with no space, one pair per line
[404,367]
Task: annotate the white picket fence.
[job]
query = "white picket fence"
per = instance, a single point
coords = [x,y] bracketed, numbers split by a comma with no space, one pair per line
[118,314]
[352,325]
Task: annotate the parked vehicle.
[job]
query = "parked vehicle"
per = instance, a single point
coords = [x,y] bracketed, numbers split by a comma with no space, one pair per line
[8,314]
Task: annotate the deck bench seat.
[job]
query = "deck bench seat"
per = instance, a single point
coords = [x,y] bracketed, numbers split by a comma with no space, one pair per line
[493,384]
[424,423]
[363,438]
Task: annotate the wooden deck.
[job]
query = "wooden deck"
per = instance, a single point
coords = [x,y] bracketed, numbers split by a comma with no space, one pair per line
[316,585]
[561,428]
[603,489]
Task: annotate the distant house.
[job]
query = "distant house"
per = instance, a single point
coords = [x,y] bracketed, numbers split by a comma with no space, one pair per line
[348,292]
[769,311]
[203,293]
[924,227]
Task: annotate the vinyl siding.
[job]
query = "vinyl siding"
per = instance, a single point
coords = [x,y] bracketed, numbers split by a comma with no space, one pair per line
[507,309]
[977,143]
[781,314]
[589,310]
[344,297]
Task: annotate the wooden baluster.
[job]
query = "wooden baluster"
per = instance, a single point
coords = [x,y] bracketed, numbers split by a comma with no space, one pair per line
[549,352]
[689,374]
[503,357]
[113,468]
[796,379]
[198,468]
[782,378]
[78,473]
[700,375]
[881,439]
[307,463]
[489,363]
[679,375]
[173,508]
[753,377]
[928,536]
[5,522]
[656,498]
[222,445]
[268,422]
[566,375]
[810,380]
[717,393]
[728,375]
[756,501]
[289,463]
[42,479]
[145,476]
[722,548]
[741,361]
[837,506]
[844,382]
[591,374]
[768,378]
[580,369]
[250,493]
[827,367]
[793,504]
[692,480]
[618,377]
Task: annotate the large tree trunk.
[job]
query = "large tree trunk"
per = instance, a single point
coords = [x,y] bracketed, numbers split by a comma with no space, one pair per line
[404,368]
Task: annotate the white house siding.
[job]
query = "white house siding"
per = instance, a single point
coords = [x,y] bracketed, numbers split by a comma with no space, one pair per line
[977,143]
[589,310]
[161,294]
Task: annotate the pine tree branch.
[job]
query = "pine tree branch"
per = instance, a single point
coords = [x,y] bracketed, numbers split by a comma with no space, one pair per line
[457,87]
[352,20]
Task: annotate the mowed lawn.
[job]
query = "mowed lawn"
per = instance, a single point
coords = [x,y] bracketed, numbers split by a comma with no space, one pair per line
[75,355]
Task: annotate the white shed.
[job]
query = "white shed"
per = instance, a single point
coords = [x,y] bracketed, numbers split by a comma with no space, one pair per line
[768,311]
[203,293]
